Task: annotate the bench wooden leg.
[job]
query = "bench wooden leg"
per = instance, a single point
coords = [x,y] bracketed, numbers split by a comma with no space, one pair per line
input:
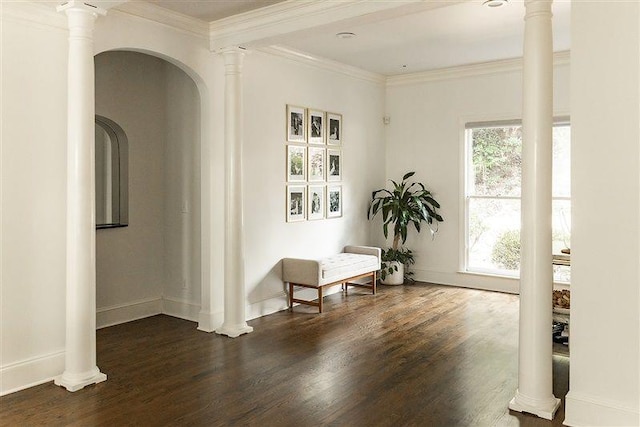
[319,299]
[291,296]
[373,283]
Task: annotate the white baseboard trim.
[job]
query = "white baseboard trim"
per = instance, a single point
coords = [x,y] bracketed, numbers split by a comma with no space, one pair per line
[180,309]
[122,313]
[31,372]
[468,280]
[582,410]
[271,304]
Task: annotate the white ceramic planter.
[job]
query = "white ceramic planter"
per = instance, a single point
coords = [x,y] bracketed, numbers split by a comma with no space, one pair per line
[397,278]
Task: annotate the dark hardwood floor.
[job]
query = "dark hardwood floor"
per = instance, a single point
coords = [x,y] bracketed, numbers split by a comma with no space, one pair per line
[415,355]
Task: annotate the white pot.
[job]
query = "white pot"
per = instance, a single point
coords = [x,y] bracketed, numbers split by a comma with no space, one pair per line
[397,278]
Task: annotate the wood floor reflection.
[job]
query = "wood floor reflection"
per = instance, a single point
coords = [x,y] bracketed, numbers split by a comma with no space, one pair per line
[415,355]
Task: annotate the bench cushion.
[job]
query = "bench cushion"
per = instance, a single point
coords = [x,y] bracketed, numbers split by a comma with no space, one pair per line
[345,265]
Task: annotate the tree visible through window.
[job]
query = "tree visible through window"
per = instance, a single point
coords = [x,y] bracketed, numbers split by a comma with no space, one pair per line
[493,186]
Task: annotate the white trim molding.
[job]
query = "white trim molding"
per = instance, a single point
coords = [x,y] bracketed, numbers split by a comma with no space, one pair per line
[582,410]
[43,15]
[161,15]
[482,282]
[471,70]
[30,372]
[123,313]
[323,63]
[181,309]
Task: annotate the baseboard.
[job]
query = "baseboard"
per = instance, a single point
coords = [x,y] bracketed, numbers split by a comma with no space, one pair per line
[581,410]
[271,304]
[117,314]
[468,280]
[180,309]
[31,372]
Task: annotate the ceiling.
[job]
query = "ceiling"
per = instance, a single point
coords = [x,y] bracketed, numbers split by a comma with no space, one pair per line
[445,34]
[212,10]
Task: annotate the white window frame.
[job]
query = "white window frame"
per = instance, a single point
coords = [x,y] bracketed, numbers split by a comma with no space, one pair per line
[467,167]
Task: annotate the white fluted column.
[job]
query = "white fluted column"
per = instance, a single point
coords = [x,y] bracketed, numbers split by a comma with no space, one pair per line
[535,370]
[234,292]
[80,356]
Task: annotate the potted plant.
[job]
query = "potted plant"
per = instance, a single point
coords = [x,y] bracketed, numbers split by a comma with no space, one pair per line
[407,203]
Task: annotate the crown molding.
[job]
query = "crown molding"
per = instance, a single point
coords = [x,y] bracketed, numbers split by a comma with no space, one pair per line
[143,9]
[323,63]
[41,14]
[290,16]
[483,68]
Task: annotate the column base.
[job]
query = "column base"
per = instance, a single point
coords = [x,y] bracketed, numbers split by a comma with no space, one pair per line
[234,331]
[75,382]
[541,408]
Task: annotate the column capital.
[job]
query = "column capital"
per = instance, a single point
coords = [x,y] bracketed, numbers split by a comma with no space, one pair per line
[537,8]
[233,59]
[80,6]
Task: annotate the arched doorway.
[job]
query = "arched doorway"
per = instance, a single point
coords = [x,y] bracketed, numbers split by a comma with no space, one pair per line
[154,264]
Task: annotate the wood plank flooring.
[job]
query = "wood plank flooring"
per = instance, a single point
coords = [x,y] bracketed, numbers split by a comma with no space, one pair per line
[415,355]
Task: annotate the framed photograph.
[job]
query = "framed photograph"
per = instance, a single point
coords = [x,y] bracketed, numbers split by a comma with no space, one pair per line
[316,164]
[296,161]
[296,124]
[296,204]
[334,201]
[316,127]
[316,202]
[334,129]
[334,165]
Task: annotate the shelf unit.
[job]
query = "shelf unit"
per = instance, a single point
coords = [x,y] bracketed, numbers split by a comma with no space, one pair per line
[561,315]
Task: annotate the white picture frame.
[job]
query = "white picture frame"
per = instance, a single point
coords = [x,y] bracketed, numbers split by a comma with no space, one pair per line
[316,202]
[296,124]
[316,126]
[296,203]
[334,165]
[296,163]
[316,164]
[334,129]
[334,201]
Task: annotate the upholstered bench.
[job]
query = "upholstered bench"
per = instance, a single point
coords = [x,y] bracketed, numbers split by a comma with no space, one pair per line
[355,262]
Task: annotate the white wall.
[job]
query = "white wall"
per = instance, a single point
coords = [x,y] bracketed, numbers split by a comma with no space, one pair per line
[605,106]
[426,135]
[270,83]
[33,194]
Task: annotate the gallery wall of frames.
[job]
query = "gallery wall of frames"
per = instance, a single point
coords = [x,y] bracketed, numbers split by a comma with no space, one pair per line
[314,164]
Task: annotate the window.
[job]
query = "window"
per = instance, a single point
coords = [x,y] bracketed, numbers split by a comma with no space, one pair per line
[492,197]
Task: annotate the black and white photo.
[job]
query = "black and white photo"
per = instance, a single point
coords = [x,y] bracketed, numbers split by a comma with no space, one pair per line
[334,165]
[296,203]
[296,161]
[334,129]
[296,124]
[334,201]
[316,164]
[316,127]
[316,202]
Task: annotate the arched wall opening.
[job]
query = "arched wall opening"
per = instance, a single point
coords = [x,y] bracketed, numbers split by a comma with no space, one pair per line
[154,264]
